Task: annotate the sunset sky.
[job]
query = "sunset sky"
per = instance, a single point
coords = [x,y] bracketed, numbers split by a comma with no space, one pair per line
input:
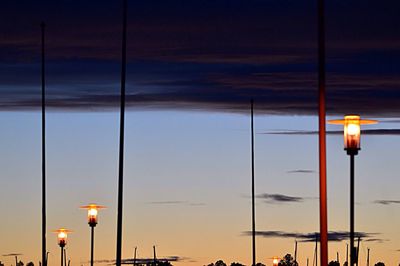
[193,67]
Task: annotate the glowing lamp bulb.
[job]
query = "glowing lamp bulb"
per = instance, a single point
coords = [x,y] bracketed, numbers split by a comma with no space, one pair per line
[275,261]
[62,236]
[92,212]
[353,129]
[92,216]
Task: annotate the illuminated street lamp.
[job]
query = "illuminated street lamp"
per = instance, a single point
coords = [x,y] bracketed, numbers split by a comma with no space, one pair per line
[62,235]
[275,260]
[352,138]
[93,210]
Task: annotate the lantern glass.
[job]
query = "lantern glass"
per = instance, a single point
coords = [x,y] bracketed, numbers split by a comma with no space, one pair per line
[275,261]
[92,215]
[352,132]
[62,238]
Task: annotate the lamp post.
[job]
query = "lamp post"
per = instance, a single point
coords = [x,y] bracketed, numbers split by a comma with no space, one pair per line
[62,235]
[352,135]
[92,221]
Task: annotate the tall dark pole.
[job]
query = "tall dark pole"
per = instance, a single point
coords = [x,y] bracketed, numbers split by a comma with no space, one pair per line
[121,137]
[91,245]
[323,211]
[44,262]
[352,251]
[253,209]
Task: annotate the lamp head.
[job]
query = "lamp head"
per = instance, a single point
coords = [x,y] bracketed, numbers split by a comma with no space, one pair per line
[352,132]
[93,210]
[62,235]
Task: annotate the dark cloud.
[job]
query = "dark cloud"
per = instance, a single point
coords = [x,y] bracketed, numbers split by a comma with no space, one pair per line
[142,260]
[301,171]
[387,202]
[279,198]
[176,202]
[202,55]
[335,236]
[167,202]
[373,132]
[13,254]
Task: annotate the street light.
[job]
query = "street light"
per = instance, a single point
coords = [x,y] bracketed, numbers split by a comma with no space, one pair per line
[352,139]
[92,221]
[62,235]
[275,260]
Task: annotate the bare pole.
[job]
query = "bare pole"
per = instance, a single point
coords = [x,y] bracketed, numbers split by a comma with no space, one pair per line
[253,209]
[295,251]
[323,212]
[154,255]
[121,137]
[44,261]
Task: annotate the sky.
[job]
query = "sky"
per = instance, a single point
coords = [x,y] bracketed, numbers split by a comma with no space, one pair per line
[193,67]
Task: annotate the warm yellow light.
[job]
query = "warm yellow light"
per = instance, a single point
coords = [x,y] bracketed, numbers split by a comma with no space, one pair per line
[352,131]
[93,210]
[62,235]
[275,261]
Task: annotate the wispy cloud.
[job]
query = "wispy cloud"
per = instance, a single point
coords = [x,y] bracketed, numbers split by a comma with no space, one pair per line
[141,260]
[335,236]
[176,202]
[387,202]
[384,131]
[300,171]
[279,198]
[171,202]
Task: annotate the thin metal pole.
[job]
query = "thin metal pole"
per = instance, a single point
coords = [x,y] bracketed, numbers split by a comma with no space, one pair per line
[62,255]
[134,257]
[358,250]
[368,257]
[91,245]
[253,209]
[121,138]
[44,262]
[323,212]
[352,251]
[65,257]
[295,251]
[154,255]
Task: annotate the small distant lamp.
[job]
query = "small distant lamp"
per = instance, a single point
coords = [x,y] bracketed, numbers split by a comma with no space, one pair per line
[62,235]
[93,210]
[275,261]
[352,135]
